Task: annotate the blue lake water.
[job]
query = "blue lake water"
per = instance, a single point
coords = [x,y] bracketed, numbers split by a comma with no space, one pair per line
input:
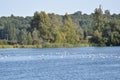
[86,63]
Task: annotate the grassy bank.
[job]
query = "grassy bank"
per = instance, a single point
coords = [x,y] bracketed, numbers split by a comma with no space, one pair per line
[46,45]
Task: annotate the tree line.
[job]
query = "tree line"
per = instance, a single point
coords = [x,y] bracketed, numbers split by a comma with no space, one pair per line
[97,29]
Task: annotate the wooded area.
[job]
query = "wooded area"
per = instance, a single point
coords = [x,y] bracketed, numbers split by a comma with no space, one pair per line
[96,29]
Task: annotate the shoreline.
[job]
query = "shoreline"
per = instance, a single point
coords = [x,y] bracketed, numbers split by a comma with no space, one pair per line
[50,45]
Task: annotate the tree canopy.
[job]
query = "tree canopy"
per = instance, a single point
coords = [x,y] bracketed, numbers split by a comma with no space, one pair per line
[98,28]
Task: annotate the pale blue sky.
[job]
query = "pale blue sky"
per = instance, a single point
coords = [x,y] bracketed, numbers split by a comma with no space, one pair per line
[28,7]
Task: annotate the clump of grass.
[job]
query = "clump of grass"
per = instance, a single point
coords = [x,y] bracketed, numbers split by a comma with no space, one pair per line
[47,45]
[6,46]
[56,45]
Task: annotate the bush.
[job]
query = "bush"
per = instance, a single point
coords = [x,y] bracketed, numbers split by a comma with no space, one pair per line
[3,42]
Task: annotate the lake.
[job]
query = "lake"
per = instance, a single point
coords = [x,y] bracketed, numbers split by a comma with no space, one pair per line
[85,63]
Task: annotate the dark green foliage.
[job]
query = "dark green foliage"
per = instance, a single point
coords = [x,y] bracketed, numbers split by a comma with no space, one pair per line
[35,36]
[98,27]
[52,30]
[106,29]
[41,22]
[22,39]
[29,39]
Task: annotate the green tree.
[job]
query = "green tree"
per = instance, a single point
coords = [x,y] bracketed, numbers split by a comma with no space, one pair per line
[41,22]
[29,39]
[22,39]
[115,38]
[69,30]
[35,36]
[98,28]
[11,33]
[98,19]
[54,29]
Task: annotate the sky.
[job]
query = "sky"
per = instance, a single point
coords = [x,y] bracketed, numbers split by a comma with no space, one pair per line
[28,7]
